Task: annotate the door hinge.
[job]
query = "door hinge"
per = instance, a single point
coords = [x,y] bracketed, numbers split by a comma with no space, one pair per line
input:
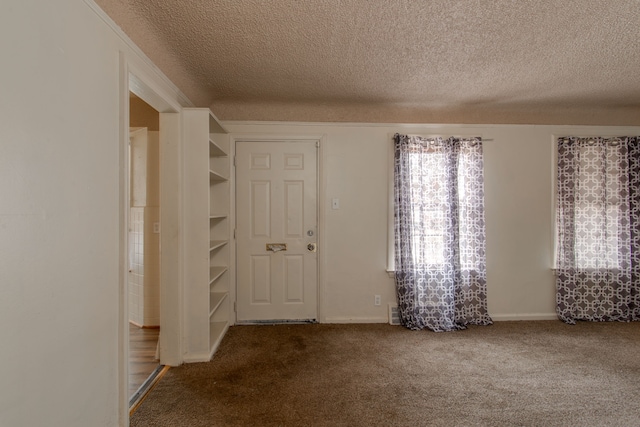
[317,144]
[235,310]
[234,234]
[234,161]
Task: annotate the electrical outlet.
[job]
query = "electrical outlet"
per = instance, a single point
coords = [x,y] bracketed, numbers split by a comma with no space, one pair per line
[376,300]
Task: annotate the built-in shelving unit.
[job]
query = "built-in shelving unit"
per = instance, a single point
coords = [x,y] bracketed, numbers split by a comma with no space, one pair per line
[215,273]
[215,177]
[207,233]
[215,244]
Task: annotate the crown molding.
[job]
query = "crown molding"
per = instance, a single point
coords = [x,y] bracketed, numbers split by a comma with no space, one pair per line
[139,55]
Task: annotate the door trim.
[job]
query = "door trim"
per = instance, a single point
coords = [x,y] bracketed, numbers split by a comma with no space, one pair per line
[135,77]
[320,140]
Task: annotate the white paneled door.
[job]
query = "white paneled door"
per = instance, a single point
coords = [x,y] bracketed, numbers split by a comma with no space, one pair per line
[276,230]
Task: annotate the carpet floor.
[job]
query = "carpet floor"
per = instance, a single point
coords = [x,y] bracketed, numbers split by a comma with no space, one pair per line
[541,373]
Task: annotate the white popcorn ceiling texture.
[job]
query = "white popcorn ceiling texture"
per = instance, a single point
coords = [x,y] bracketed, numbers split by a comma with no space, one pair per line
[438,61]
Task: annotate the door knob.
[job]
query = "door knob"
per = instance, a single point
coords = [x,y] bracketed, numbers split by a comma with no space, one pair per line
[311,247]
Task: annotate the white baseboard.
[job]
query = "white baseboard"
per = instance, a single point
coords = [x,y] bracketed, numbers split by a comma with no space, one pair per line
[524,316]
[196,358]
[495,317]
[356,320]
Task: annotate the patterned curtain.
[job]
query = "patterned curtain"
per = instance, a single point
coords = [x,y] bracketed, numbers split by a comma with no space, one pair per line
[598,229]
[440,265]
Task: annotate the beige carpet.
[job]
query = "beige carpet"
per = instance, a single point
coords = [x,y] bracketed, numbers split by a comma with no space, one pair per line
[508,374]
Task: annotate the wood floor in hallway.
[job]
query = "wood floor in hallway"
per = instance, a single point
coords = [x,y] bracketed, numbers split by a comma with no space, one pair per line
[142,355]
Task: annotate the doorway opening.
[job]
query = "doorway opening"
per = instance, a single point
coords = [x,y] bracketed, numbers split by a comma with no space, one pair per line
[143,279]
[139,80]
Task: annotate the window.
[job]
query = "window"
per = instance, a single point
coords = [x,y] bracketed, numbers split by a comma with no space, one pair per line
[593,199]
[598,229]
[439,232]
[430,218]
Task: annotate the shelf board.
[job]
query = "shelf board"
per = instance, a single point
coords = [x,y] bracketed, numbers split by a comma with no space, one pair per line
[215,176]
[215,244]
[215,150]
[215,299]
[215,273]
[214,124]
[216,332]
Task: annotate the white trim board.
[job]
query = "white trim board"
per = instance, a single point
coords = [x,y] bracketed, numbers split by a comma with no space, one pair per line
[524,316]
[586,130]
[140,56]
[138,74]
[357,320]
[496,318]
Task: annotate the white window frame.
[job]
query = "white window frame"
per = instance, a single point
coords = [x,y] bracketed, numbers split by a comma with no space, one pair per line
[391,264]
[554,183]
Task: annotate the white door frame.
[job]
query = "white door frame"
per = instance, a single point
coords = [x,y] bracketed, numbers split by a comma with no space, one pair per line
[321,198]
[138,77]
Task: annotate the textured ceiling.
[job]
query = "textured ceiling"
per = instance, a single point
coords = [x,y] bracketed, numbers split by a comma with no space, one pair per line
[444,61]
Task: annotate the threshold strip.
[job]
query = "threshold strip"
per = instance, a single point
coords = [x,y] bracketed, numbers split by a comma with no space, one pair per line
[142,392]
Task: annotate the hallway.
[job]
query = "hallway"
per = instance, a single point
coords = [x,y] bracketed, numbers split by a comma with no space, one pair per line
[142,355]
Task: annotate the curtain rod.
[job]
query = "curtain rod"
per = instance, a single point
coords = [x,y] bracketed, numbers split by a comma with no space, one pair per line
[452,136]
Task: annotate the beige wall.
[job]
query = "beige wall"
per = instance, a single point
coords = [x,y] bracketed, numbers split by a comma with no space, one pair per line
[519,213]
[60,184]
[58,216]
[142,114]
